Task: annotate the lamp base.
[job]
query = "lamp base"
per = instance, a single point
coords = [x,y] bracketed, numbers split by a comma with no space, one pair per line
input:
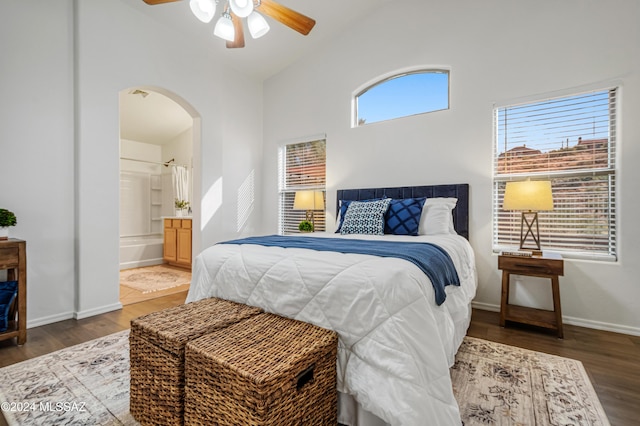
[309,218]
[530,219]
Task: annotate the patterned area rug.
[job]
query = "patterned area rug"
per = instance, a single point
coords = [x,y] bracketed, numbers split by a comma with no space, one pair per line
[86,384]
[154,278]
[498,384]
[495,384]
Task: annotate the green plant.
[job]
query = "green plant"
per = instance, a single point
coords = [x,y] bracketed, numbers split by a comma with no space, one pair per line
[305,226]
[7,218]
[181,204]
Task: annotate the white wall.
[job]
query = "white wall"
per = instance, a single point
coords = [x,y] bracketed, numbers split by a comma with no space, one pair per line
[36,147]
[497,51]
[63,66]
[146,152]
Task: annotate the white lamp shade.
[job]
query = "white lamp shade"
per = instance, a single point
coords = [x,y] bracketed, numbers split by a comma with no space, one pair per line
[224,29]
[242,8]
[308,200]
[203,9]
[534,195]
[258,26]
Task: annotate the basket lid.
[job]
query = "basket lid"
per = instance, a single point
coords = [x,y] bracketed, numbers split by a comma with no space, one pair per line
[266,346]
[172,328]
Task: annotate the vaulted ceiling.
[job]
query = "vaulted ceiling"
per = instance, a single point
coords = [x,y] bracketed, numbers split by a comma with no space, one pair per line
[156,119]
[263,57]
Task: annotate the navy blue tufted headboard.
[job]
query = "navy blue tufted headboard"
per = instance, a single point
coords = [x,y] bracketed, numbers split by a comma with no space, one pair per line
[459,191]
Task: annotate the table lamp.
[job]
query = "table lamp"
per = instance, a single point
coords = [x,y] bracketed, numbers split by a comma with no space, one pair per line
[530,196]
[309,201]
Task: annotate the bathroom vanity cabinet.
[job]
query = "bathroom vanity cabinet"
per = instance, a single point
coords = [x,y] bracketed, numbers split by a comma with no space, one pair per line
[177,242]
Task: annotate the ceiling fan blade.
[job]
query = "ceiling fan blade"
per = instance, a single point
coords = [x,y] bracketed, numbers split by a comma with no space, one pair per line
[239,33]
[152,2]
[292,19]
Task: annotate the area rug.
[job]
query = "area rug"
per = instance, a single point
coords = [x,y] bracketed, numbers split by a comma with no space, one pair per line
[497,384]
[86,384]
[494,384]
[154,278]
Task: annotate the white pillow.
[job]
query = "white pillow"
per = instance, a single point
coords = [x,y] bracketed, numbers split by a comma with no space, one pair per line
[437,216]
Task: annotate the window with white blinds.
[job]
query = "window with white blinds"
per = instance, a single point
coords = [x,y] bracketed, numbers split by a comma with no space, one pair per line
[570,141]
[301,166]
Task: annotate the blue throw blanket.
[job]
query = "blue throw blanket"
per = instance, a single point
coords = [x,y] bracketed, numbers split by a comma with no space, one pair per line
[431,259]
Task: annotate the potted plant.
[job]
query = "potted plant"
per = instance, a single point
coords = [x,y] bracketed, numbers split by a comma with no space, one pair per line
[305,226]
[7,219]
[180,206]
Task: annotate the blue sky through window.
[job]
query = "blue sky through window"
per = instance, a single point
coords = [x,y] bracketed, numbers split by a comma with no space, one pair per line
[404,95]
[554,123]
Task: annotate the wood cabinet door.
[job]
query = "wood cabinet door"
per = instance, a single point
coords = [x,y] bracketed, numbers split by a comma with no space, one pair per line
[170,253]
[184,246]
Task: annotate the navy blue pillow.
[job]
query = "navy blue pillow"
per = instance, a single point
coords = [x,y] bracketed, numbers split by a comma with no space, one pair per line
[8,291]
[403,216]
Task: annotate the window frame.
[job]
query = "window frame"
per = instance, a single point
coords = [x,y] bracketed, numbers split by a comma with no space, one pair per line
[286,192]
[610,173]
[355,120]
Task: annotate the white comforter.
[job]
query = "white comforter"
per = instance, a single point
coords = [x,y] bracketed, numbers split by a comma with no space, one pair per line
[395,344]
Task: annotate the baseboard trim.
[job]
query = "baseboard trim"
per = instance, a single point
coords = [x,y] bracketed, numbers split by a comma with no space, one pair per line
[141,263]
[97,311]
[580,322]
[37,322]
[485,306]
[598,325]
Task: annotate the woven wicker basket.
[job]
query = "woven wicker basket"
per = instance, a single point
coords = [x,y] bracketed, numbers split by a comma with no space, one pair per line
[267,370]
[157,343]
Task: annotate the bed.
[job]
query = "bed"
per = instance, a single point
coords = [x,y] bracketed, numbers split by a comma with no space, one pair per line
[397,337]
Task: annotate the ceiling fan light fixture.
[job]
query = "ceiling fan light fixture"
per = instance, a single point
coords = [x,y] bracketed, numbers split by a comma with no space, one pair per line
[230,27]
[242,8]
[258,26]
[204,10]
[224,28]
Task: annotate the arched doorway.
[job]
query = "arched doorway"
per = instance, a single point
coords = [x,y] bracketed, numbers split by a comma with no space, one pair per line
[158,140]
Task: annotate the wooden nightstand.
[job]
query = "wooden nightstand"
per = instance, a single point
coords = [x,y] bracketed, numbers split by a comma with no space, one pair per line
[546,266]
[13,258]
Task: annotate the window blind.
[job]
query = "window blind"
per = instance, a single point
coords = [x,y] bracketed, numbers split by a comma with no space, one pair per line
[301,166]
[570,141]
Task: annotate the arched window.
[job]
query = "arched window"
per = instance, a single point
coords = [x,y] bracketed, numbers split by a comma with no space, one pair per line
[402,95]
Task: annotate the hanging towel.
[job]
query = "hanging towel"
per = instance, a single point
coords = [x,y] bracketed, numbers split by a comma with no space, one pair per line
[181,183]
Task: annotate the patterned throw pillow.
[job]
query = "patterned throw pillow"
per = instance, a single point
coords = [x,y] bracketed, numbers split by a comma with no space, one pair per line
[344,205]
[403,216]
[365,217]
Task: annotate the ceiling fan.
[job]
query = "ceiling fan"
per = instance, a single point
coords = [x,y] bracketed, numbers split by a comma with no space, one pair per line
[229,25]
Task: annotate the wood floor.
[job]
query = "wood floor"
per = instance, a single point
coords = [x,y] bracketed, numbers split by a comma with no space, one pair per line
[612,360]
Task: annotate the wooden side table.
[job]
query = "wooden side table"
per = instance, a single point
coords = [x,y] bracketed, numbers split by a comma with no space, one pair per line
[548,265]
[13,258]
